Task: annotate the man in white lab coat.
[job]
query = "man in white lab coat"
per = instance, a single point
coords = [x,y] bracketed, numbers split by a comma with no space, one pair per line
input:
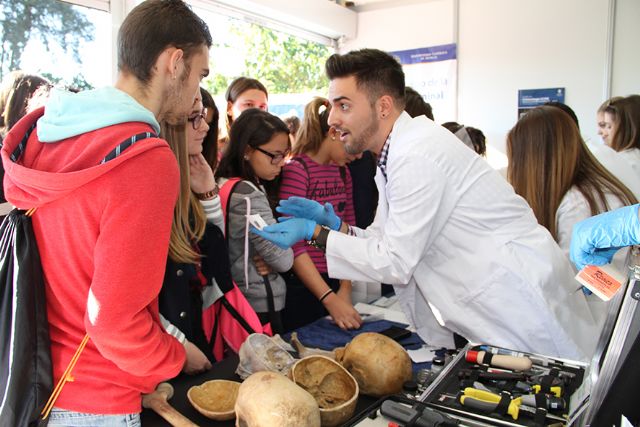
[465,253]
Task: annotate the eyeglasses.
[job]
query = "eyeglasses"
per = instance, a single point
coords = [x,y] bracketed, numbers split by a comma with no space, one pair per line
[275,158]
[196,118]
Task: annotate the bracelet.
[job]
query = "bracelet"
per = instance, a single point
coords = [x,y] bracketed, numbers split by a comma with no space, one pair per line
[208,195]
[326,294]
[320,241]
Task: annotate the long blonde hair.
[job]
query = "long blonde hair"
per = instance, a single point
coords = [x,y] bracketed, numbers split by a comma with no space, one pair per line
[547,157]
[314,127]
[189,220]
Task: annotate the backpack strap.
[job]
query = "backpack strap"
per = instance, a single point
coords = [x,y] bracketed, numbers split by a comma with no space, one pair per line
[225,198]
[225,193]
[118,150]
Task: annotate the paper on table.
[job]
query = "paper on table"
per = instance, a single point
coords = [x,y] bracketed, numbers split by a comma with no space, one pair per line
[392,315]
[423,354]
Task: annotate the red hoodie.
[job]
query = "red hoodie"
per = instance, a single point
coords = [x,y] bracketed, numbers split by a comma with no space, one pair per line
[103,233]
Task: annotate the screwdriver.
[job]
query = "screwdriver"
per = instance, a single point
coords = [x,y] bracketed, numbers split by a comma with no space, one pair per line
[487,402]
[550,402]
[515,363]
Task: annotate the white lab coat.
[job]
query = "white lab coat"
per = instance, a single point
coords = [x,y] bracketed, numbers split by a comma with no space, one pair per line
[624,165]
[573,209]
[464,252]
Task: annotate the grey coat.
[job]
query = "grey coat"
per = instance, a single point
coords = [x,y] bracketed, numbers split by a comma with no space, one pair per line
[280,260]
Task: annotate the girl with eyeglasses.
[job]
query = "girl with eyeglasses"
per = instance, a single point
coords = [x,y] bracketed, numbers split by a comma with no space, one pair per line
[318,172]
[258,146]
[198,267]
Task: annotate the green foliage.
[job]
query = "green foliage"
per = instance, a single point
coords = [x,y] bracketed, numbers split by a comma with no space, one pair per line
[78,82]
[283,63]
[48,20]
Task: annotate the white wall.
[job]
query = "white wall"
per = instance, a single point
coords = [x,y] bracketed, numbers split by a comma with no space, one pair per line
[506,45]
[404,25]
[626,51]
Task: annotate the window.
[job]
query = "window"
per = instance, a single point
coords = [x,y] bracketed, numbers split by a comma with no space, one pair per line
[68,44]
[292,68]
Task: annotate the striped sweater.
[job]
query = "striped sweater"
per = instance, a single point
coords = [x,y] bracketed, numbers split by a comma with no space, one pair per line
[303,177]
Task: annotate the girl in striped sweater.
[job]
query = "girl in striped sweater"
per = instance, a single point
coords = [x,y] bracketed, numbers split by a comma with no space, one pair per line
[317,171]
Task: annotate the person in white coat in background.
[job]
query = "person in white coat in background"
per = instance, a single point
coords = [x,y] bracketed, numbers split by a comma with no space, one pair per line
[465,253]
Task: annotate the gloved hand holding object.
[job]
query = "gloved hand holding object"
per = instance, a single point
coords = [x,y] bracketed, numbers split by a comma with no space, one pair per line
[596,240]
[287,232]
[300,207]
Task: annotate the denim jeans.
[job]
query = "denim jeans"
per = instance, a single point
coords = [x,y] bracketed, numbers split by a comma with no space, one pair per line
[61,417]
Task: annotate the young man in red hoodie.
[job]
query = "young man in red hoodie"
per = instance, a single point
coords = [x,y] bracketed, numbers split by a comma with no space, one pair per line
[102,227]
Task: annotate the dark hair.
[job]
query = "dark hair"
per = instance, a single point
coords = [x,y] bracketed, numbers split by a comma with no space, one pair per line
[153,26]
[626,115]
[376,72]
[253,128]
[210,142]
[17,90]
[415,105]
[564,107]
[237,88]
[476,136]
[293,123]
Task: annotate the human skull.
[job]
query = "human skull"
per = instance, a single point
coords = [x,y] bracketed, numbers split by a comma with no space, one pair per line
[269,399]
[332,386]
[262,353]
[379,364]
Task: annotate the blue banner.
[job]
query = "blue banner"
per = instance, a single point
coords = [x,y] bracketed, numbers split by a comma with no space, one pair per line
[531,98]
[426,54]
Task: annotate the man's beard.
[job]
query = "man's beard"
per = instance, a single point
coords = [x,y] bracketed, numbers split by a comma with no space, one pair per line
[359,145]
[176,114]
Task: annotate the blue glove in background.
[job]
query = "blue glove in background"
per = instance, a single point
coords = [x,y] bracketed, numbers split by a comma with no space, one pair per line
[288,232]
[300,207]
[596,240]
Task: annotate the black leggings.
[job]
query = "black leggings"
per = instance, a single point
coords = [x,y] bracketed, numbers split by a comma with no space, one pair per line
[301,306]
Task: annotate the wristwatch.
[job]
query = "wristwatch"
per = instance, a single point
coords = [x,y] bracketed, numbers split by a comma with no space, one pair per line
[209,194]
[320,241]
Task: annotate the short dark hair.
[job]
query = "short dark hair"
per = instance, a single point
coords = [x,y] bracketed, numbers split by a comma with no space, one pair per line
[210,142]
[564,107]
[475,135]
[153,26]
[415,105]
[376,72]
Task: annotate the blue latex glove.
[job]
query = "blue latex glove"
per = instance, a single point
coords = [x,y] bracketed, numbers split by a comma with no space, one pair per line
[596,240]
[288,232]
[300,207]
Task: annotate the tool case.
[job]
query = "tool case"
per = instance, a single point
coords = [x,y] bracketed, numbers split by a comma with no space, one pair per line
[551,392]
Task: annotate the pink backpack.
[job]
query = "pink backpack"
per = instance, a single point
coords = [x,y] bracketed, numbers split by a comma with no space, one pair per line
[231,317]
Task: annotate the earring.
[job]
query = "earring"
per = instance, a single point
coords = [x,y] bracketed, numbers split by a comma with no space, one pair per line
[246,157]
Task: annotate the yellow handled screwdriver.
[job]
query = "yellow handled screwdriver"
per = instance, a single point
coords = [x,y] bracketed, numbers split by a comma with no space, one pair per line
[488,402]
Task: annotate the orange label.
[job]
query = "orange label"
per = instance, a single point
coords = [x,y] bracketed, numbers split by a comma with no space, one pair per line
[598,281]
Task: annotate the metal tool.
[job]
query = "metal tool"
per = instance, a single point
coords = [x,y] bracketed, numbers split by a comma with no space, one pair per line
[404,414]
[487,402]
